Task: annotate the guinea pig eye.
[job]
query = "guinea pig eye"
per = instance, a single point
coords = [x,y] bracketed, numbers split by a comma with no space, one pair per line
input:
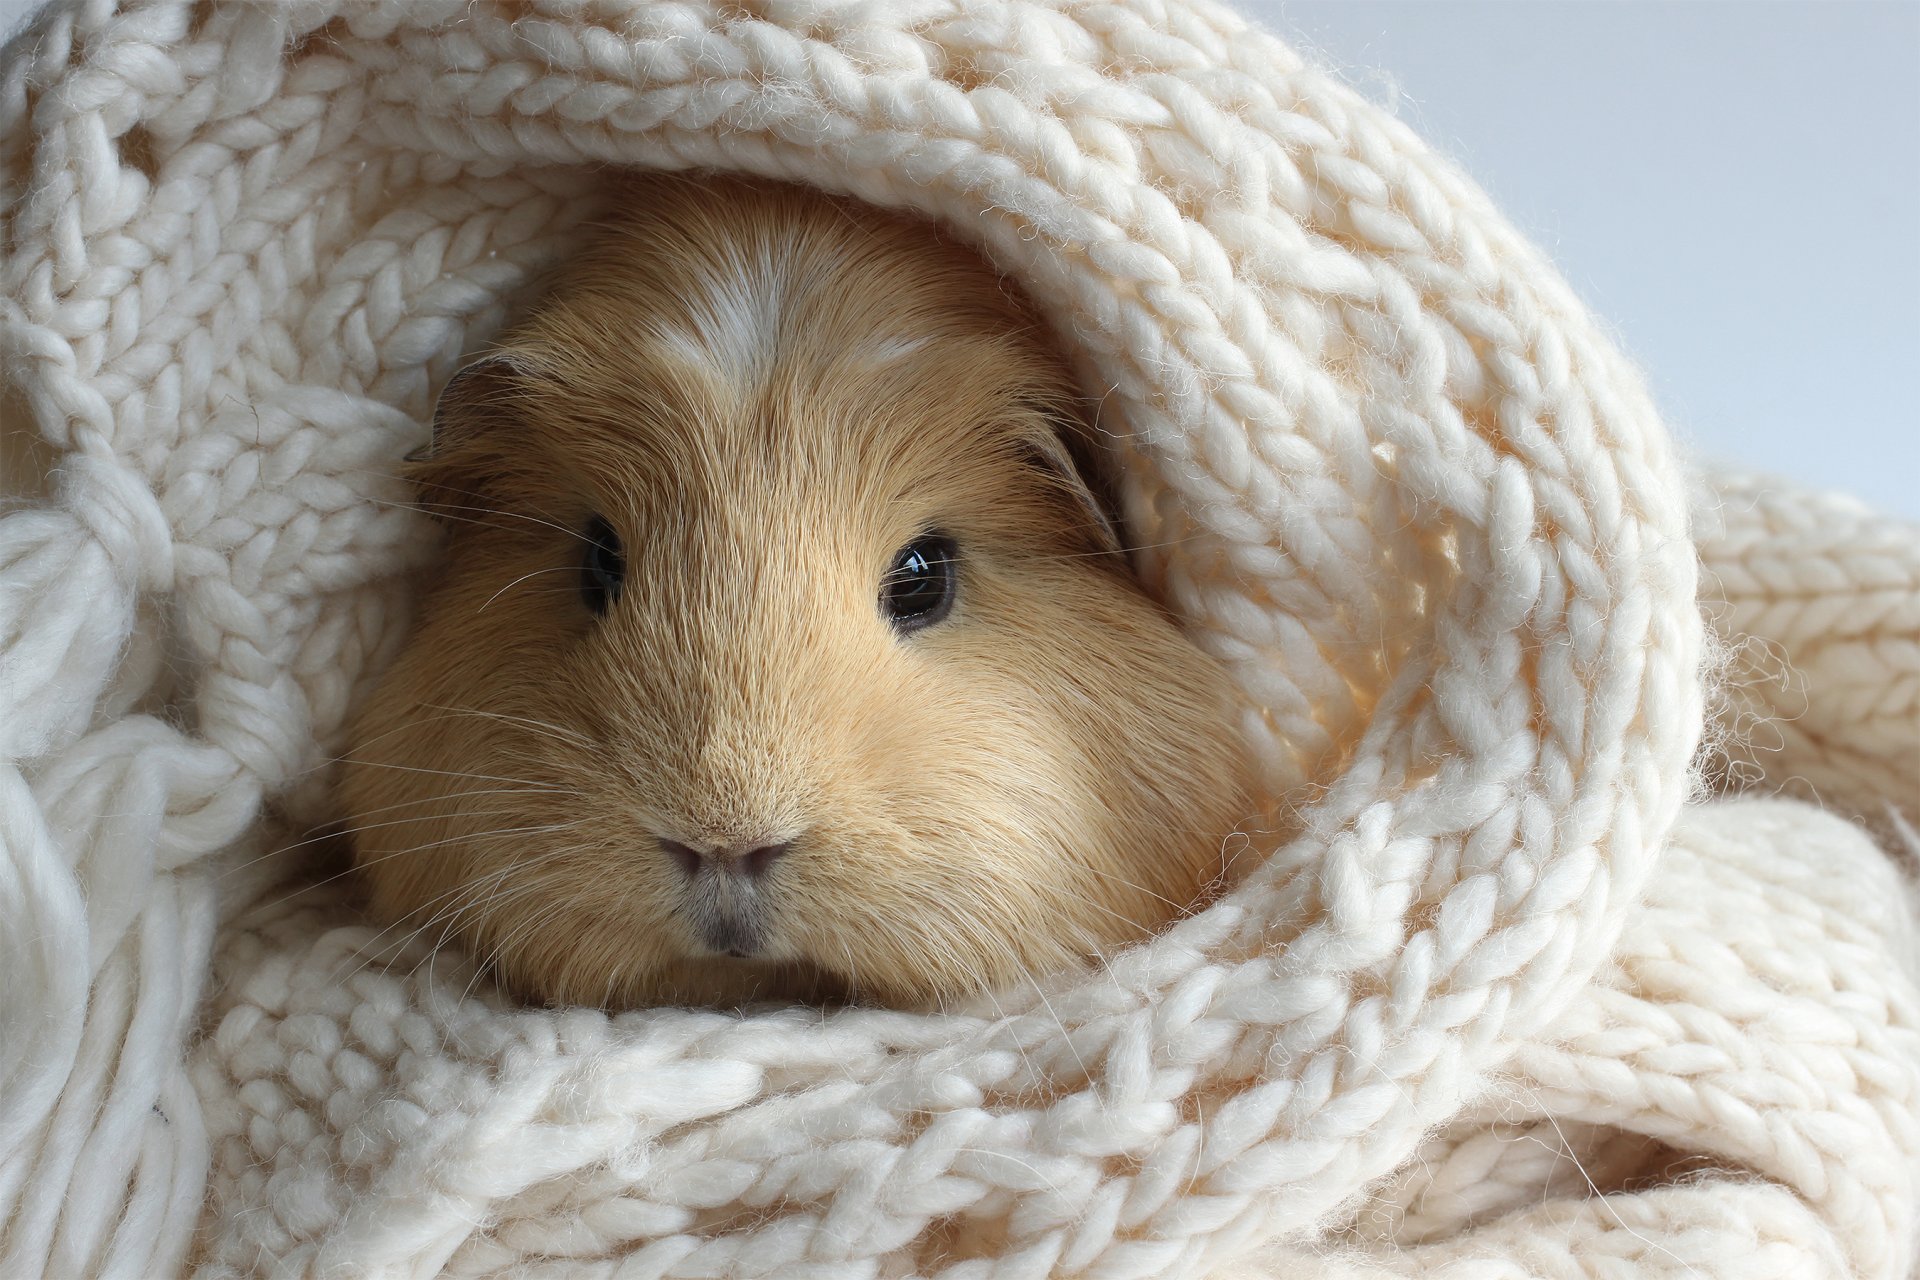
[918,589]
[603,567]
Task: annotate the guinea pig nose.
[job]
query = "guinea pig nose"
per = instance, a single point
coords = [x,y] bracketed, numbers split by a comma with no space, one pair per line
[747,861]
[750,862]
[683,857]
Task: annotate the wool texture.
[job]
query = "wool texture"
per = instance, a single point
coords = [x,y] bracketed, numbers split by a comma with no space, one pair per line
[1499,1002]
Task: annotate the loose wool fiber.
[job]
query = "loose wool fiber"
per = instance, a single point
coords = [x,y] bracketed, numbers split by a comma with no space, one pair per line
[1499,1004]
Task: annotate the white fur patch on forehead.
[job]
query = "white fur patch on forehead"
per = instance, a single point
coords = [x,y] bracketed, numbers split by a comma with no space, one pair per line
[736,319]
[888,350]
[736,315]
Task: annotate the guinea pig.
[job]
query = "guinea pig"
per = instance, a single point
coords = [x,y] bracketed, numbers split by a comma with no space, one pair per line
[784,646]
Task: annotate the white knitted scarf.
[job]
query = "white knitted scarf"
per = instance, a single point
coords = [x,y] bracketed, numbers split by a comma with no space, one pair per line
[1497,1000]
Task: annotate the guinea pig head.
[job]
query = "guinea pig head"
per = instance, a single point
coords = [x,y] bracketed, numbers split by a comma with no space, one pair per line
[782,646]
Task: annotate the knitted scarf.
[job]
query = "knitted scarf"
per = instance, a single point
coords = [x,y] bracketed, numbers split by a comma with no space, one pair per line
[1496,997]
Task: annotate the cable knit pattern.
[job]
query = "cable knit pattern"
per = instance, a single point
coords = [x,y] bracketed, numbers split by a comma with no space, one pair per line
[1385,466]
[1821,598]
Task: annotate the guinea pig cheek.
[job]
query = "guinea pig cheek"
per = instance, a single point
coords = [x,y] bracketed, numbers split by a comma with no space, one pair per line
[942,874]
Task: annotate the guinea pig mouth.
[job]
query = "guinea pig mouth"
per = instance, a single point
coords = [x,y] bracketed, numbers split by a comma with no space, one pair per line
[726,915]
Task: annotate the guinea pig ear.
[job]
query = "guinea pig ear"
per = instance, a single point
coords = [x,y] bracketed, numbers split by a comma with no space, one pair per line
[1066,452]
[473,398]
[473,446]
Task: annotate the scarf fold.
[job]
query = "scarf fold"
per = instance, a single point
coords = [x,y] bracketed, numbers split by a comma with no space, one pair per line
[1386,467]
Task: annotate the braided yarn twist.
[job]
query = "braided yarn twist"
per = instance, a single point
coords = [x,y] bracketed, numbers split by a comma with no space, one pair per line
[1820,598]
[1388,468]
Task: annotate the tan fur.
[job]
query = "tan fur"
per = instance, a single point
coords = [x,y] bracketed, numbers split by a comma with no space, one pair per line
[768,393]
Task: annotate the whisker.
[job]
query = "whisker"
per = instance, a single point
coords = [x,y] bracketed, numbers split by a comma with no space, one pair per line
[564,568]
[440,510]
[478,889]
[551,787]
[474,836]
[1124,550]
[462,795]
[440,487]
[419,848]
[533,924]
[526,722]
[334,832]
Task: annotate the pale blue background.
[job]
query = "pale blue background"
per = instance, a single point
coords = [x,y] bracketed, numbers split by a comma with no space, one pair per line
[1734,185]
